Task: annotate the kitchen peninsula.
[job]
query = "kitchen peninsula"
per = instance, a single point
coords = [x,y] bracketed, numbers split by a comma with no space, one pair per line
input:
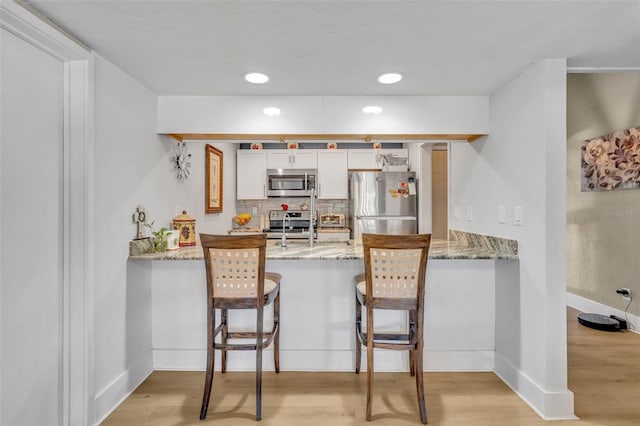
[317,314]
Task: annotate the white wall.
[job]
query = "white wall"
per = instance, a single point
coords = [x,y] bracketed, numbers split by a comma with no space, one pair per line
[318,335]
[324,114]
[31,229]
[190,194]
[521,163]
[131,169]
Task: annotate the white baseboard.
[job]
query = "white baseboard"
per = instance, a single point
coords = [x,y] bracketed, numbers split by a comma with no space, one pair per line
[548,405]
[122,386]
[586,305]
[324,360]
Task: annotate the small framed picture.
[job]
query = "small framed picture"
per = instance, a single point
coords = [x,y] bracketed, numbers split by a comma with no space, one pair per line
[332,145]
[377,145]
[213,180]
[292,145]
[256,146]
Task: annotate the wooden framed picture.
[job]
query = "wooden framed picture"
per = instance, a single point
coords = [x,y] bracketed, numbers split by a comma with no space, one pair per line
[213,180]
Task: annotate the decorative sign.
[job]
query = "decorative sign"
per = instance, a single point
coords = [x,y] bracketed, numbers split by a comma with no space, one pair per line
[611,161]
[140,219]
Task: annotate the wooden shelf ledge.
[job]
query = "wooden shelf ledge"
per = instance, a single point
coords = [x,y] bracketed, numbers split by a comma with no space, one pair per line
[324,137]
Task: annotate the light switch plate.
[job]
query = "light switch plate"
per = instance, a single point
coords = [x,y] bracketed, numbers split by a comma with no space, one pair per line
[518,216]
[469,213]
[456,213]
[502,214]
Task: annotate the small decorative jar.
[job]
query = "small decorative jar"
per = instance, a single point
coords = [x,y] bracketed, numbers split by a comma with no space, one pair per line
[186,224]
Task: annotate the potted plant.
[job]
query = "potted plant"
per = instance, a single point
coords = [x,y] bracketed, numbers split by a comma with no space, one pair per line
[159,237]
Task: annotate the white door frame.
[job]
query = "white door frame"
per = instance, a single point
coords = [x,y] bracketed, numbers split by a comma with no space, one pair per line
[77,325]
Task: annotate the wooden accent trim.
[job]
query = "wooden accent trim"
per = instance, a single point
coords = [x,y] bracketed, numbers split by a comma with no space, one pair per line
[472,138]
[324,137]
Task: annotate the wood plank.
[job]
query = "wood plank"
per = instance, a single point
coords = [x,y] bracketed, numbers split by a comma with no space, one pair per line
[367,138]
[604,374]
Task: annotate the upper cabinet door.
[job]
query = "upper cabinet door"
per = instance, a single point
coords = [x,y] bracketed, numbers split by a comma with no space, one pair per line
[292,159]
[363,159]
[251,175]
[279,159]
[305,159]
[333,181]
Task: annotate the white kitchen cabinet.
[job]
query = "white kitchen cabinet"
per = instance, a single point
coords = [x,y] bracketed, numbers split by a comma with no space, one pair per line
[363,159]
[368,159]
[292,159]
[333,174]
[251,175]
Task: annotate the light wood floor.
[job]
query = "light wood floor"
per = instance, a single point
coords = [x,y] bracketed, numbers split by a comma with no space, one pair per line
[604,374]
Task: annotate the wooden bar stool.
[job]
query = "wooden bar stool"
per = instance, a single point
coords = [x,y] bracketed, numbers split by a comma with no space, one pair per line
[394,278]
[236,279]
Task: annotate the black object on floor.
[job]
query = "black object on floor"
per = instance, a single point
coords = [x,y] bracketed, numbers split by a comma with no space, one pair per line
[599,322]
[621,321]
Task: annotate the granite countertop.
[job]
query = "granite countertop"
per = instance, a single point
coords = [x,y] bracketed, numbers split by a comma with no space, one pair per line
[461,245]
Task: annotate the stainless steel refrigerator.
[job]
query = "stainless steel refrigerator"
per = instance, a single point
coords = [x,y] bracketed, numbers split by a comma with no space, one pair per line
[383,203]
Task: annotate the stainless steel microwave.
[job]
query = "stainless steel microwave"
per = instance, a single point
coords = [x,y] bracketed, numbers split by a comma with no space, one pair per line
[290,182]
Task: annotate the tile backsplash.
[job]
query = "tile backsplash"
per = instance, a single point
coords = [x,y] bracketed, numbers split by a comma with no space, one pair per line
[257,208]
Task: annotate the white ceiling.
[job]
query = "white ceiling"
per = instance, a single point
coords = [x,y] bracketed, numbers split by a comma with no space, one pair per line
[203,47]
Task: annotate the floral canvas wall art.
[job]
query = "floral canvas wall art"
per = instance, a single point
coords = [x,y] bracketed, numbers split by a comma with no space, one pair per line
[611,161]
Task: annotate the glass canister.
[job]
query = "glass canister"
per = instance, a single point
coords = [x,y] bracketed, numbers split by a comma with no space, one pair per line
[186,224]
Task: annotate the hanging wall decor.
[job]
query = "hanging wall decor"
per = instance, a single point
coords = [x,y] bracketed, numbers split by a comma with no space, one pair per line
[611,161]
[181,163]
[213,180]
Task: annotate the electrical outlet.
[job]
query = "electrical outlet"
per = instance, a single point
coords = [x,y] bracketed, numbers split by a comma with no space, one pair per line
[518,216]
[625,293]
[254,210]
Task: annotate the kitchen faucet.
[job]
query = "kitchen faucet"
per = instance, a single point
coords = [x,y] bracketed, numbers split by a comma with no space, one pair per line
[283,241]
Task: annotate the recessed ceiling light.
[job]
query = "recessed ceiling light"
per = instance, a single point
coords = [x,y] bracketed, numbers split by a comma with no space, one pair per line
[372,109]
[390,78]
[271,111]
[256,77]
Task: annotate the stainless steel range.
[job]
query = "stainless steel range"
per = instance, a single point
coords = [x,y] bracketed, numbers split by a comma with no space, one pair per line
[294,222]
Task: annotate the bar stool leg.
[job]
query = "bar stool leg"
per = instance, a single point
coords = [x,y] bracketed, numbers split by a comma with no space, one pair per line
[259,364]
[412,354]
[225,333]
[358,344]
[420,383]
[208,381]
[370,334]
[276,338]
